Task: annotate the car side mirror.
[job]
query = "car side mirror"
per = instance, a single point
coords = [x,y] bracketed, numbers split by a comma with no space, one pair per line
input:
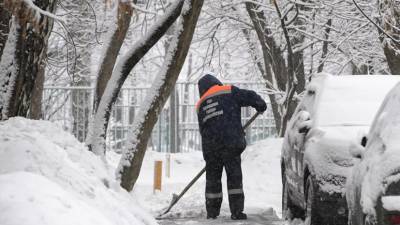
[304,129]
[357,149]
[364,141]
[304,122]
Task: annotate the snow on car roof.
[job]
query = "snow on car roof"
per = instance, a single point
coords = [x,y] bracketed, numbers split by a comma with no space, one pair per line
[351,100]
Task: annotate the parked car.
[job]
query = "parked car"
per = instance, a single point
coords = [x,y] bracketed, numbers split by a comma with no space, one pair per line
[373,189]
[315,154]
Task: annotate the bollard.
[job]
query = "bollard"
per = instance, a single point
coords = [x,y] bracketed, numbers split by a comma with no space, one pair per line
[157,175]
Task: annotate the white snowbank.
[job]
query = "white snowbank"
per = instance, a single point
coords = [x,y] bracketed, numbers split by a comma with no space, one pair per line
[48,177]
[261,180]
[43,202]
[328,157]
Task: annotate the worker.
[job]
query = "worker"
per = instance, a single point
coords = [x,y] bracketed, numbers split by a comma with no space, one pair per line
[223,141]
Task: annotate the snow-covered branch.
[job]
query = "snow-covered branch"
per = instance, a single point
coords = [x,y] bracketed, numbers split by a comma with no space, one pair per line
[375,24]
[26,10]
[98,128]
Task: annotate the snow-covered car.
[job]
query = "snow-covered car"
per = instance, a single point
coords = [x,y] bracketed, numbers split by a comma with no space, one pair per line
[315,163]
[373,189]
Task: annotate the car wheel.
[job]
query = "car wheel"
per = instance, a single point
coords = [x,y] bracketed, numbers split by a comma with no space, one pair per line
[312,214]
[289,210]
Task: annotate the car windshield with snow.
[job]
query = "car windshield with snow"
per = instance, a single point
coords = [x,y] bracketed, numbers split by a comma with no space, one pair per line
[334,111]
[373,189]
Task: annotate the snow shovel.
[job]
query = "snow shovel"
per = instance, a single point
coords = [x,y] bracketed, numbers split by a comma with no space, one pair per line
[175,197]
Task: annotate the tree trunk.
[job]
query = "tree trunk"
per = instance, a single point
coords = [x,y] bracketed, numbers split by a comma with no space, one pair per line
[9,66]
[174,120]
[393,59]
[124,15]
[131,162]
[289,104]
[281,73]
[325,46]
[37,95]
[30,50]
[390,22]
[98,130]
[5,18]
[267,72]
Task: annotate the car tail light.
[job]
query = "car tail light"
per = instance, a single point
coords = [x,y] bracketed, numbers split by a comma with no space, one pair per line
[394,219]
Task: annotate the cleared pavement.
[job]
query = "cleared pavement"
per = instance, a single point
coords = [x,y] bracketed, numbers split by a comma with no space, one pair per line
[262,218]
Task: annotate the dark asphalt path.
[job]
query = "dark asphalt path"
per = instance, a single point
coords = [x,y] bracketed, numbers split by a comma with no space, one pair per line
[264,218]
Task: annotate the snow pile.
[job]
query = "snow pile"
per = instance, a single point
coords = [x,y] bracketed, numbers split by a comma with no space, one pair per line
[48,177]
[328,157]
[380,165]
[261,182]
[375,181]
[262,175]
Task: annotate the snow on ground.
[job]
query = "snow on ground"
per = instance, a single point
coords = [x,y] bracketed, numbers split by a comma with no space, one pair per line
[48,177]
[262,182]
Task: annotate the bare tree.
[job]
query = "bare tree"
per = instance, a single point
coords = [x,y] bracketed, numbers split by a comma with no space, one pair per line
[390,23]
[98,130]
[325,45]
[22,62]
[5,17]
[81,24]
[113,47]
[131,162]
[282,73]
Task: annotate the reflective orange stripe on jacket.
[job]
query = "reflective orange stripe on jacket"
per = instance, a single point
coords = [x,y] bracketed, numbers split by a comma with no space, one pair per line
[213,91]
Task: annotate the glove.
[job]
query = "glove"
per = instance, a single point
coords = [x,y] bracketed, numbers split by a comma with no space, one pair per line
[261,106]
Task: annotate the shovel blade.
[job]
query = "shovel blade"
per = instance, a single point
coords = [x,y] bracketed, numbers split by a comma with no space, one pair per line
[173,201]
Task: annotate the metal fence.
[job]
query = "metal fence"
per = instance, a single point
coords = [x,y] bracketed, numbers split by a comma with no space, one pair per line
[176,130]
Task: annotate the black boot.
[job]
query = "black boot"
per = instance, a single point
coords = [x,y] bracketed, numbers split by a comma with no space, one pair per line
[212,216]
[239,216]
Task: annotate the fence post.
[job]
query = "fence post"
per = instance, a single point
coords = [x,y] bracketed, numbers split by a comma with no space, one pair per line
[177,102]
[174,119]
[160,119]
[168,165]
